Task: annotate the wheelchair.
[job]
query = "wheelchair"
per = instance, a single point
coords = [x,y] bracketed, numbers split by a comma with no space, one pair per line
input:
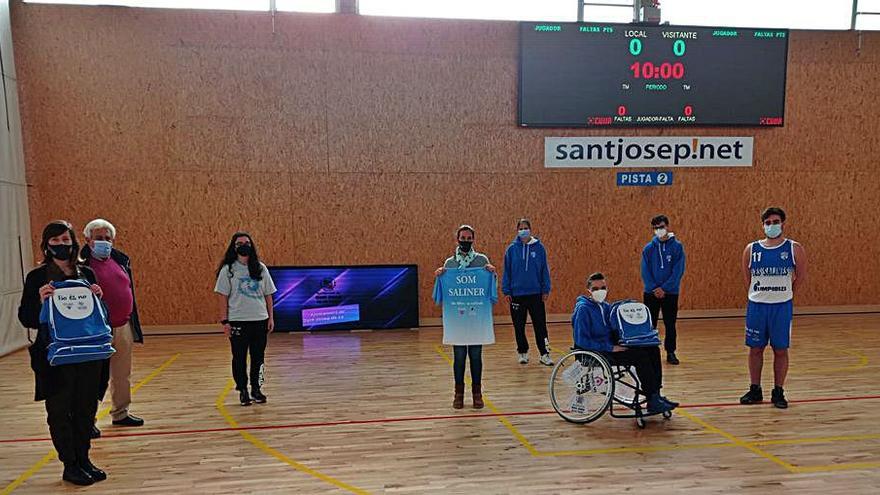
[583,385]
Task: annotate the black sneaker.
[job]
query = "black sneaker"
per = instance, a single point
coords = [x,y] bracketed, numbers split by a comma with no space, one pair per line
[244,397]
[753,396]
[258,396]
[93,471]
[75,474]
[95,433]
[129,421]
[671,359]
[777,397]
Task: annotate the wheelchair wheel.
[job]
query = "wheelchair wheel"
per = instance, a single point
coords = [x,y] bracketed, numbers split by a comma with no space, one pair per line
[640,422]
[667,414]
[581,386]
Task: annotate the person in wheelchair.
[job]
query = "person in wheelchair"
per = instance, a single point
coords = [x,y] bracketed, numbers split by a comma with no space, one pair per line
[593,332]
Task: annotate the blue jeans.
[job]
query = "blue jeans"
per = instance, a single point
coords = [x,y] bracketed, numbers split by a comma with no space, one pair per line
[461,353]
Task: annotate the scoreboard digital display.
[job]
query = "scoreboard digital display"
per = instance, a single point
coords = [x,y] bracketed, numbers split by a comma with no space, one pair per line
[624,75]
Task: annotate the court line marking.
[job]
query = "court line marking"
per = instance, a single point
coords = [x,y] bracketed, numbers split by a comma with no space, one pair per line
[221,408]
[538,453]
[403,419]
[636,450]
[742,443]
[808,440]
[501,417]
[496,413]
[734,441]
[805,370]
[102,414]
[788,466]
[837,467]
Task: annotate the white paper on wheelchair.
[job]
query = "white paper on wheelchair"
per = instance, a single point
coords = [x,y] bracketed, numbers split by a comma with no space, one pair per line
[577,404]
[574,373]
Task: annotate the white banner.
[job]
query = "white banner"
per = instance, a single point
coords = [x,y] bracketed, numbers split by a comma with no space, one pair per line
[655,151]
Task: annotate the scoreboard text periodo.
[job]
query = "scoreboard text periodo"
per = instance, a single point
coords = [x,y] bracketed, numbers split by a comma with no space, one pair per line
[619,75]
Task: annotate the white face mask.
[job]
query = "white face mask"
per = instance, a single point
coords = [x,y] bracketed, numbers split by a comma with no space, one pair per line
[660,232]
[599,295]
[773,231]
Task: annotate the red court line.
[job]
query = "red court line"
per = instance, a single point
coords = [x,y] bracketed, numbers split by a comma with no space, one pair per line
[409,419]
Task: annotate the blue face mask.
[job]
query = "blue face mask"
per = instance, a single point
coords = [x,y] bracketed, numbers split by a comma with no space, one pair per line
[773,231]
[102,249]
[525,233]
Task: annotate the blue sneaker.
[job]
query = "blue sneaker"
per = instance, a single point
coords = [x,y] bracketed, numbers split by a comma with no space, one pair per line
[656,405]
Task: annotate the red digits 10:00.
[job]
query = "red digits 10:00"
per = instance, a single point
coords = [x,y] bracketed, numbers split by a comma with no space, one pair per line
[666,70]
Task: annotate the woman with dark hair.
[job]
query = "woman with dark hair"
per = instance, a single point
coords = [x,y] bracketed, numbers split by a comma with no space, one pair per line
[526,286]
[246,288]
[71,391]
[467,343]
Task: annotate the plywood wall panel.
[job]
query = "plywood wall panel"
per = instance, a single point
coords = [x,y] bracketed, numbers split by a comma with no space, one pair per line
[344,140]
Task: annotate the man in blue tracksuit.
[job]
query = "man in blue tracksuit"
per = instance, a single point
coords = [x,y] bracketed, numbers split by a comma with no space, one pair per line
[526,285]
[591,331]
[663,263]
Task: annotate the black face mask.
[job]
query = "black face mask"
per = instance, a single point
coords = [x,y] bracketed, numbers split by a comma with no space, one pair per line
[61,252]
[465,245]
[244,250]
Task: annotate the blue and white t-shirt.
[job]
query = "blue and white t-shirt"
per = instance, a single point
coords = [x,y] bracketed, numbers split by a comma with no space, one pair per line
[247,297]
[467,295]
[772,271]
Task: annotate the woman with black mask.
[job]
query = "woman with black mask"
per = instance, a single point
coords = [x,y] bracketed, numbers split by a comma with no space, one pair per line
[466,257]
[71,391]
[247,318]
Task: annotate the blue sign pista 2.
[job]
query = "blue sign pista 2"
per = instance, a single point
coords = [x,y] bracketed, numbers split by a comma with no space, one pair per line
[644,178]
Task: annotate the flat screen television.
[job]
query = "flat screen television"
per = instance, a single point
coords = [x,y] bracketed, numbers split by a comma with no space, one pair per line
[317,298]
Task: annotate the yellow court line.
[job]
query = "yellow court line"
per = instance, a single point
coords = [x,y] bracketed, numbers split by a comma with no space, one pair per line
[836,467]
[664,448]
[863,360]
[800,441]
[742,443]
[30,472]
[221,407]
[53,454]
[634,450]
[733,441]
[513,430]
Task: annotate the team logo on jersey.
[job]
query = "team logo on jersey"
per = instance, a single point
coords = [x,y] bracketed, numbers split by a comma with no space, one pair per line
[534,254]
[249,287]
[668,258]
[784,255]
[768,288]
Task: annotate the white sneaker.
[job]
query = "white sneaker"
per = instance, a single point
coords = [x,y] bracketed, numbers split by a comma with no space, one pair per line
[524,358]
[546,360]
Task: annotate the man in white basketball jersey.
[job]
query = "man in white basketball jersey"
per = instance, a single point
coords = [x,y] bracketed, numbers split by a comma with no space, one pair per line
[775,268]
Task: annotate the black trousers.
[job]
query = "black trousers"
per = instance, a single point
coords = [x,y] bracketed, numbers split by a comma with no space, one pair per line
[248,337]
[71,410]
[646,360]
[462,352]
[669,305]
[533,305]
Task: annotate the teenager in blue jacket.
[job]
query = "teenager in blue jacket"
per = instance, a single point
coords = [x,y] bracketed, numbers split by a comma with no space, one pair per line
[663,263]
[526,286]
[592,332]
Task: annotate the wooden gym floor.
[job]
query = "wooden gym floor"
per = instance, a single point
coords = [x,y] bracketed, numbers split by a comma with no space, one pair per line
[370,412]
